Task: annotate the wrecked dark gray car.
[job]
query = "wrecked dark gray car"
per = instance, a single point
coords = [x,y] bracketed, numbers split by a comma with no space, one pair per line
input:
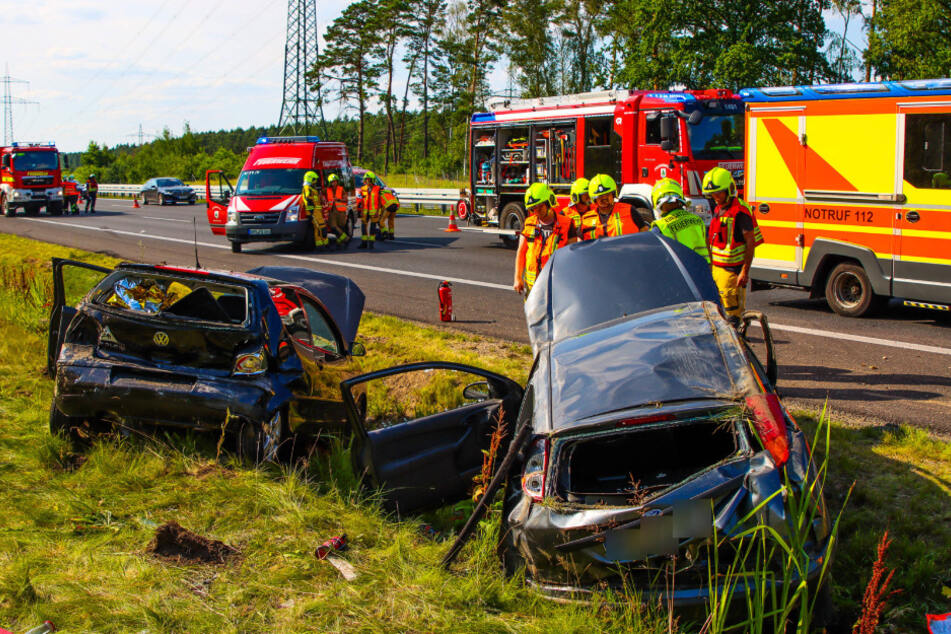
[647,423]
[260,355]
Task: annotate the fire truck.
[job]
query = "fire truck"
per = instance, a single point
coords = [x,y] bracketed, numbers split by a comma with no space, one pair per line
[30,179]
[851,184]
[265,205]
[635,136]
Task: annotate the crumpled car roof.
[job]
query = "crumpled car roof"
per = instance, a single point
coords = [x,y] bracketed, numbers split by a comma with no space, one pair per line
[597,281]
[340,295]
[678,353]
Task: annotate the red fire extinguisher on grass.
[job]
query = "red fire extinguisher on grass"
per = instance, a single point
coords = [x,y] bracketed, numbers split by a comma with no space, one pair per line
[445,301]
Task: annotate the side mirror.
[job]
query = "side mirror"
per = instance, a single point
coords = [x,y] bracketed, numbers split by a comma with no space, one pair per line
[695,117]
[667,145]
[667,129]
[5,162]
[357,349]
[65,162]
[478,391]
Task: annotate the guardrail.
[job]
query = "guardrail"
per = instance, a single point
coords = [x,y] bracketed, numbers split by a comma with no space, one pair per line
[418,198]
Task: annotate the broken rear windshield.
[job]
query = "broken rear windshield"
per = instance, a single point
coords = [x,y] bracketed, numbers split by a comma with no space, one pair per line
[177,298]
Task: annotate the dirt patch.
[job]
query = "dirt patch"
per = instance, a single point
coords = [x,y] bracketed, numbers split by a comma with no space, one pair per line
[180,544]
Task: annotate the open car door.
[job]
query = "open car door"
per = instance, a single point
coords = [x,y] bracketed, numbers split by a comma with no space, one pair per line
[218,193]
[81,278]
[420,430]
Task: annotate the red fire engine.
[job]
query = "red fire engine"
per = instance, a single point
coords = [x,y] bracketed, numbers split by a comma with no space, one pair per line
[635,136]
[30,179]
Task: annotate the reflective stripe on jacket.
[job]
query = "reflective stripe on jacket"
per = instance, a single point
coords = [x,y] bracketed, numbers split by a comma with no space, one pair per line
[388,199]
[723,250]
[371,201]
[309,200]
[540,248]
[337,197]
[687,228]
[619,223]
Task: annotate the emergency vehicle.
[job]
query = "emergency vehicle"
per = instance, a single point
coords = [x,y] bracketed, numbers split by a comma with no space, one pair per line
[30,179]
[635,136]
[265,205]
[851,185]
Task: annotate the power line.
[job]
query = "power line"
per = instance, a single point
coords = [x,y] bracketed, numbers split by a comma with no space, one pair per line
[8,102]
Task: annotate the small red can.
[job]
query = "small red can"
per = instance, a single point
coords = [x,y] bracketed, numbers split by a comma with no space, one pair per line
[331,545]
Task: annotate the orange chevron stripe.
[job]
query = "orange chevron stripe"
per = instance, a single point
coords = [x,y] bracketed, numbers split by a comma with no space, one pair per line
[819,173]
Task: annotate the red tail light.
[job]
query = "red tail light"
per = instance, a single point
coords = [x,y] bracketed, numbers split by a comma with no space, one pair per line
[533,476]
[770,422]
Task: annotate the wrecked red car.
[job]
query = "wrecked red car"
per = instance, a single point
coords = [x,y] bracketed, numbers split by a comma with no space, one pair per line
[260,355]
[647,426]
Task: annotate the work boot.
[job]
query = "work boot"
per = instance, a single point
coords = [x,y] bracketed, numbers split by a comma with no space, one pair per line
[363,244]
[372,244]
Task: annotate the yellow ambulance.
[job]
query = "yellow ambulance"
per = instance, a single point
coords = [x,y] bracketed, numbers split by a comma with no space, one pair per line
[851,184]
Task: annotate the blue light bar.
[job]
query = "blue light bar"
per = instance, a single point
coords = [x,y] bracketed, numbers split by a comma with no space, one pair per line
[270,140]
[853,90]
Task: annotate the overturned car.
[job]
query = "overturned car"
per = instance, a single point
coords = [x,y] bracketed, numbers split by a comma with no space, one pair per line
[647,427]
[260,354]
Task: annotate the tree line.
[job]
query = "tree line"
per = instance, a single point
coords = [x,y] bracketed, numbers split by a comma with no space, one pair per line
[406,75]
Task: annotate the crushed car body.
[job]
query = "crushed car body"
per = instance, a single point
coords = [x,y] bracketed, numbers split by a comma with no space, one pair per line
[261,353]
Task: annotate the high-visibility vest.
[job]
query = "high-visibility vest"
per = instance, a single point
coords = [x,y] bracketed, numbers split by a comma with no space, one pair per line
[540,248]
[619,223]
[687,228]
[92,186]
[571,213]
[388,199]
[723,250]
[371,201]
[308,198]
[337,197]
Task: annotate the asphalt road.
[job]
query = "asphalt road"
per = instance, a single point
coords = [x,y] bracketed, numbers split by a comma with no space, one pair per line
[892,368]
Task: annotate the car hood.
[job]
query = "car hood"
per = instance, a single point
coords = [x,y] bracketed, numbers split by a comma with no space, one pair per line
[339,295]
[678,353]
[260,204]
[597,281]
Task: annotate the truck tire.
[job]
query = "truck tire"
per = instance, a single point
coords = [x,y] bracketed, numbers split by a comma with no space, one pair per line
[8,211]
[235,246]
[513,217]
[55,209]
[849,291]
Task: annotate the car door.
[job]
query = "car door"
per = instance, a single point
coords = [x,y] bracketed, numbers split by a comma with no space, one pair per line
[218,194]
[317,341]
[420,431]
[81,278]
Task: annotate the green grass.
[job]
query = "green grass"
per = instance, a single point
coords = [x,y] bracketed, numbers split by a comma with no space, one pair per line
[74,534]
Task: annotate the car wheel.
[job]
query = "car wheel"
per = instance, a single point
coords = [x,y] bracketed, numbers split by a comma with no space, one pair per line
[513,217]
[263,442]
[235,246]
[8,211]
[161,199]
[849,291]
[67,426]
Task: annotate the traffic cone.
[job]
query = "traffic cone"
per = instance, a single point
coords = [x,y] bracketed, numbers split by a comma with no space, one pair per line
[453,227]
[135,202]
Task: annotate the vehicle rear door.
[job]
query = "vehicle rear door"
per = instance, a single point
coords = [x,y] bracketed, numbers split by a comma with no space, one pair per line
[71,280]
[421,431]
[218,194]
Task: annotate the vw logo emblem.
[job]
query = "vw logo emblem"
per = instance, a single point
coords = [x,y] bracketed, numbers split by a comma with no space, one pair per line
[160,339]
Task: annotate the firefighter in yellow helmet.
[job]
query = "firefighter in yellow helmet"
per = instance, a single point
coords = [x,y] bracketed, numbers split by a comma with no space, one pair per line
[370,215]
[337,216]
[733,238]
[390,204]
[580,203]
[544,232]
[607,217]
[674,220]
[310,205]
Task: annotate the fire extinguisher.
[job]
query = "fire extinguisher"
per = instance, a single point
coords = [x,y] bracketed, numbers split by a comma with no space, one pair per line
[445,301]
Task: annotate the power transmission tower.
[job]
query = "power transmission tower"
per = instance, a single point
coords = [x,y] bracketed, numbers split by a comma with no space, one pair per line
[299,107]
[8,101]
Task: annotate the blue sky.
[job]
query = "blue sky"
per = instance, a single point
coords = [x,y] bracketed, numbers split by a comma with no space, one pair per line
[100,69]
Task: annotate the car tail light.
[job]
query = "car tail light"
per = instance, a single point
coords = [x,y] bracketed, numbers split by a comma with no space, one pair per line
[770,423]
[250,363]
[643,420]
[533,476]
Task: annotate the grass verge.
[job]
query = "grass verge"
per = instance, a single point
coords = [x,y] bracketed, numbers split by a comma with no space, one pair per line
[75,529]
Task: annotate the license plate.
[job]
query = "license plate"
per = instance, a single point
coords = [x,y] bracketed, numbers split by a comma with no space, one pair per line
[259,232]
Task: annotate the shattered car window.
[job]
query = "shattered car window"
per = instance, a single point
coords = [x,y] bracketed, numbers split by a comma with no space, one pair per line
[178,298]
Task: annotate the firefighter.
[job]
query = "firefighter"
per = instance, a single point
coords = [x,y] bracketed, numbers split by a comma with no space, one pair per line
[370,215]
[607,217]
[92,189]
[544,232]
[674,220]
[390,204]
[580,203]
[310,200]
[337,216]
[733,238]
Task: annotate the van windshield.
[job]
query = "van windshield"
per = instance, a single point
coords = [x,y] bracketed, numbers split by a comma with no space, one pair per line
[27,161]
[270,182]
[717,136]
